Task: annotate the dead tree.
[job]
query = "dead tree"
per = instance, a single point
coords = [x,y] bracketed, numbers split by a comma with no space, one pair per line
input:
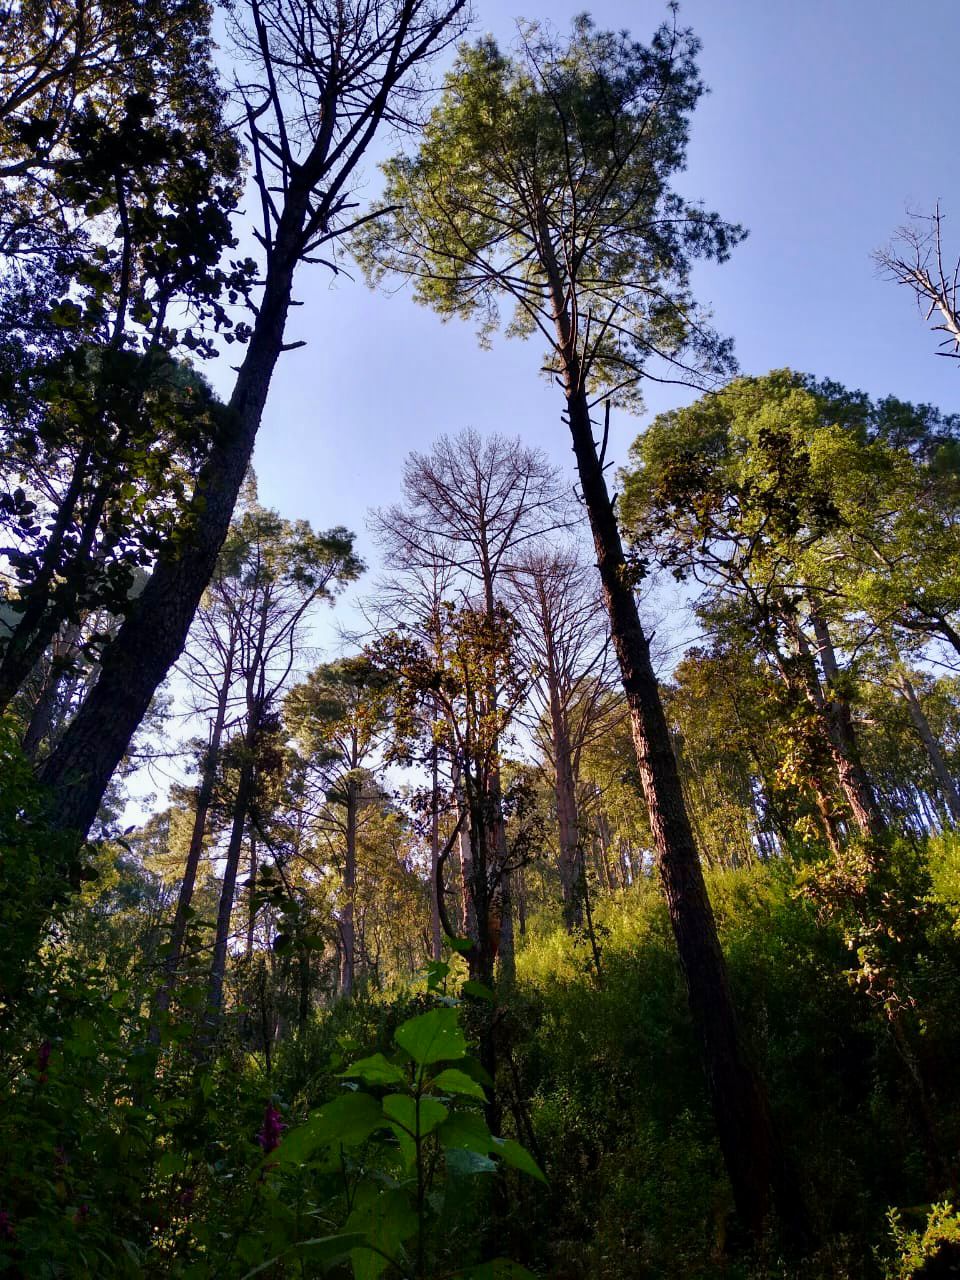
[471,506]
[915,258]
[564,638]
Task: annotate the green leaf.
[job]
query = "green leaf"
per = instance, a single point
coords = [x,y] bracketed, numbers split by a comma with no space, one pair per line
[403,1109]
[408,1148]
[432,1037]
[460,944]
[450,1080]
[169,1163]
[467,1164]
[374,1070]
[466,1131]
[474,1069]
[386,1219]
[477,990]
[499,1269]
[348,1120]
[517,1157]
[325,1250]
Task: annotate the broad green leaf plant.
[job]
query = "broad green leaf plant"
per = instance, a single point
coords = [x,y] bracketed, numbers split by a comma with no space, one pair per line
[400,1140]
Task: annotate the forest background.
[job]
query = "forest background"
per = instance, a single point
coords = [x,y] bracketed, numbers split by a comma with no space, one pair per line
[256,1031]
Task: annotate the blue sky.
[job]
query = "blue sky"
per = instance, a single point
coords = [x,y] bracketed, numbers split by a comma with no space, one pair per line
[826,121]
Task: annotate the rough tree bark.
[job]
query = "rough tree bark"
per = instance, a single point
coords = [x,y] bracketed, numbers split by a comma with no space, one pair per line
[436,932]
[152,638]
[751,1148]
[252,898]
[749,1142]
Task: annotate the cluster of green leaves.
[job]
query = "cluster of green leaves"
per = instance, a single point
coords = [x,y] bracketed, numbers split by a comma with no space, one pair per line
[129,1157]
[543,180]
[784,485]
[935,1249]
[404,1134]
[120,182]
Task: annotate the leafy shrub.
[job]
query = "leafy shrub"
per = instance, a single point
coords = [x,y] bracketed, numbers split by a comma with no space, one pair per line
[933,1251]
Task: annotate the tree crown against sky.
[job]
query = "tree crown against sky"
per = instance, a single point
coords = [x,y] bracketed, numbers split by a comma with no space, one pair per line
[788,487]
[543,178]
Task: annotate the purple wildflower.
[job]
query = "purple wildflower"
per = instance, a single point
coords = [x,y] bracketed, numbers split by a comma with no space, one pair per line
[6,1226]
[273,1127]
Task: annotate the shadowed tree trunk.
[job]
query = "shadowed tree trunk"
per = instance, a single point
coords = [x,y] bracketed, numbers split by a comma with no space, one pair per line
[348,917]
[751,1149]
[152,638]
[41,721]
[208,776]
[436,933]
[833,710]
[339,94]
[843,735]
[568,833]
[252,899]
[229,885]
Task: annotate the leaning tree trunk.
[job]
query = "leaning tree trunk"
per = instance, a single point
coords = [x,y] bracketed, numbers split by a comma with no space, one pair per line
[229,886]
[152,637]
[945,782]
[208,778]
[572,870]
[436,933]
[835,707]
[748,1140]
[16,661]
[348,919]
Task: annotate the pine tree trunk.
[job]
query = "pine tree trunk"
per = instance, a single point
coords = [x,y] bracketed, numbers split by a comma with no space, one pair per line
[228,890]
[749,1143]
[303,993]
[152,637]
[436,933]
[348,918]
[507,950]
[842,733]
[252,898]
[468,920]
[181,917]
[568,825]
[603,835]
